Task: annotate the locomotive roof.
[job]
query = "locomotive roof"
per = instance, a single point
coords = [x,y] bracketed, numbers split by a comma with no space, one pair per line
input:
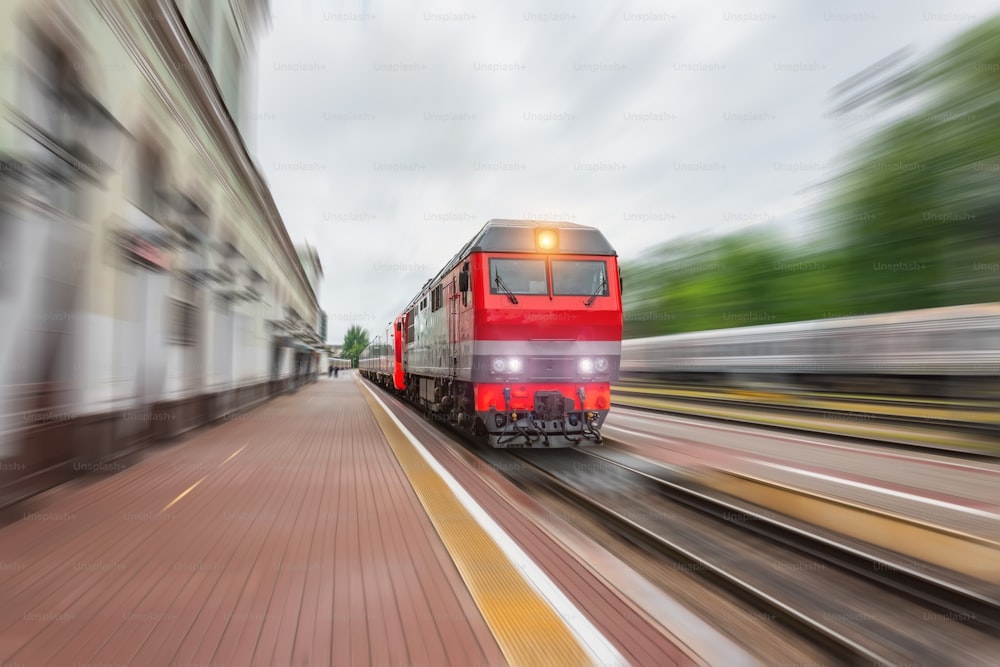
[519,236]
[500,235]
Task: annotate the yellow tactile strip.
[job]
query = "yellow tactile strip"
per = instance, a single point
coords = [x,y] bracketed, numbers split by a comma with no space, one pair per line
[527,628]
[971,555]
[928,410]
[930,437]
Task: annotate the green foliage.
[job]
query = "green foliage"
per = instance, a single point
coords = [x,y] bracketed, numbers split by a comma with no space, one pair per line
[910,222]
[355,341]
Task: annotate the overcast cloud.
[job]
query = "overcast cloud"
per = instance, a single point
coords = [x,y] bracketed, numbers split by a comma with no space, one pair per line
[390,134]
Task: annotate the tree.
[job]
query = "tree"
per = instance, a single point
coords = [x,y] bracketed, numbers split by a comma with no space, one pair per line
[355,341]
[911,221]
[916,206]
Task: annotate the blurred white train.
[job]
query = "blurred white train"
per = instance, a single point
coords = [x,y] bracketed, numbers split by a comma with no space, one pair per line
[953,352]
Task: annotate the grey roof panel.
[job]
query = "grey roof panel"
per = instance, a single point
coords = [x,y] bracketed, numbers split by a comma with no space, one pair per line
[519,236]
[501,235]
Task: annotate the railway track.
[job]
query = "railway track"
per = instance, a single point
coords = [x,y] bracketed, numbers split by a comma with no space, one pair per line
[857,607]
[976,430]
[854,604]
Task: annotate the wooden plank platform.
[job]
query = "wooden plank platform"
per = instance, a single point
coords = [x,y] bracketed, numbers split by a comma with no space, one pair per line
[286,536]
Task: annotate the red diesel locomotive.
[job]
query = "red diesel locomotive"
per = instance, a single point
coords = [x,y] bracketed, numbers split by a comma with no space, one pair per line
[516,340]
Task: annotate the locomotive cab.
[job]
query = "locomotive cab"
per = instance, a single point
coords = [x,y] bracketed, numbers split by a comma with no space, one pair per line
[517,338]
[547,341]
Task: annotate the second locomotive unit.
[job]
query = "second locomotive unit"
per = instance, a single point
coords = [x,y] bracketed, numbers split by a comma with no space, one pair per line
[517,339]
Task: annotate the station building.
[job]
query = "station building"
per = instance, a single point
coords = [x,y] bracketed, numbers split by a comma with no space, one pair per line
[148,284]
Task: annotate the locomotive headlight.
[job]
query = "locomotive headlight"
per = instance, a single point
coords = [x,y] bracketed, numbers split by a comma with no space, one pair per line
[601,364]
[499,365]
[546,239]
[514,365]
[585,366]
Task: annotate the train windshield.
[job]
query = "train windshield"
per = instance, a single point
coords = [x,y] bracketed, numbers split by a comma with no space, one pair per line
[519,276]
[584,277]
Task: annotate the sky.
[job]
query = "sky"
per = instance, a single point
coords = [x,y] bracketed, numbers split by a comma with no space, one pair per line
[389,133]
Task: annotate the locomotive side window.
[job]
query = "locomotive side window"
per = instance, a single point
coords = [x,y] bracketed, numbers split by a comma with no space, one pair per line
[463,284]
[437,298]
[520,276]
[579,277]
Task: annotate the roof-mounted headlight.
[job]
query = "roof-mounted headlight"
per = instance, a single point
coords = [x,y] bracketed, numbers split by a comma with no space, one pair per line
[546,239]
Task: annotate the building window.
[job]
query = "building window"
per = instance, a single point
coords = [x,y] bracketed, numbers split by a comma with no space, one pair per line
[183,322]
[150,175]
[54,109]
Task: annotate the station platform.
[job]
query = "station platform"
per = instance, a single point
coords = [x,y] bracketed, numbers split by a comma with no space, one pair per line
[300,533]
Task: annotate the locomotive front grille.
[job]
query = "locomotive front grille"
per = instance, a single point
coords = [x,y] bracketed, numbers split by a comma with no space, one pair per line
[551,368]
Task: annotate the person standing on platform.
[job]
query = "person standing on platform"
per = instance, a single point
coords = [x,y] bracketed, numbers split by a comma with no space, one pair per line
[330,371]
[336,372]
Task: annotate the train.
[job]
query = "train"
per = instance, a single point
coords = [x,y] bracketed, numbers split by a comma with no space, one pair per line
[516,340]
[951,352]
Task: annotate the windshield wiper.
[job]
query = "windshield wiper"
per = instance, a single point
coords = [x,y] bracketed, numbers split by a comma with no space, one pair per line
[502,285]
[600,288]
